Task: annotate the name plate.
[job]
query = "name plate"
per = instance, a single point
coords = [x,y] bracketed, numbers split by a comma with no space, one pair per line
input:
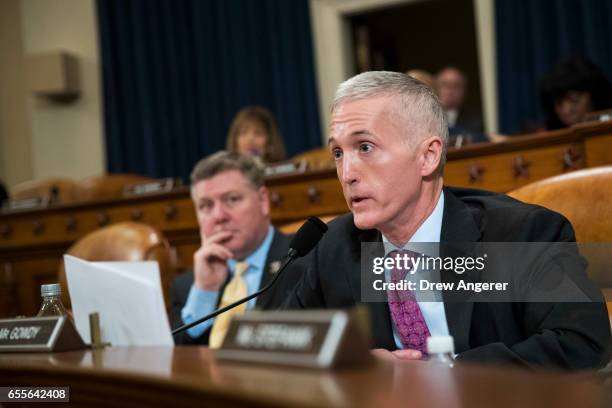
[285,168]
[34,334]
[157,186]
[316,339]
[26,204]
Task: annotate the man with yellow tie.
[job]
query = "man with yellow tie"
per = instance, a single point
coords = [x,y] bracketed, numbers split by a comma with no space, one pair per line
[240,250]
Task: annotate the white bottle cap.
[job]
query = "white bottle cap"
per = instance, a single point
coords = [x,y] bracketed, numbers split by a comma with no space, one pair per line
[440,344]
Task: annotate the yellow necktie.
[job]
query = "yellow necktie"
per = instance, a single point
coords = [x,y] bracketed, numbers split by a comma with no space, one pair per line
[236,289]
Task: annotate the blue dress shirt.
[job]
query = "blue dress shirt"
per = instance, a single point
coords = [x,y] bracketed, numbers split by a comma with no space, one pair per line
[433,312]
[202,302]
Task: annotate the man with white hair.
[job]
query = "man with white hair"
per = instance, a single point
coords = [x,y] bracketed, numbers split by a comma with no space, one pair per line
[388,136]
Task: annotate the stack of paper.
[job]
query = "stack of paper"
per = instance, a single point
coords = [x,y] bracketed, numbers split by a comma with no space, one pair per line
[128,297]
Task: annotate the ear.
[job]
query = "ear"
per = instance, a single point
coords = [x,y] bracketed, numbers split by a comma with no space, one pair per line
[264,200]
[431,154]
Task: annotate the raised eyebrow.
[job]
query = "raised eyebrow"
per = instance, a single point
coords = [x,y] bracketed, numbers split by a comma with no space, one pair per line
[356,133]
[362,133]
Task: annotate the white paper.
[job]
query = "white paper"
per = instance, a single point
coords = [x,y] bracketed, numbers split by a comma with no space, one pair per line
[128,297]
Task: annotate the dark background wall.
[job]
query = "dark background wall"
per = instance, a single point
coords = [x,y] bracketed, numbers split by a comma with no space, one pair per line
[176,72]
[426,35]
[532,35]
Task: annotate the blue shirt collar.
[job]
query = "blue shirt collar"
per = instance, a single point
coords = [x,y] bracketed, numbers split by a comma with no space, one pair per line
[429,231]
[257,259]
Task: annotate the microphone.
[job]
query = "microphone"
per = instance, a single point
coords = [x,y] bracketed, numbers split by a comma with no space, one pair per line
[306,238]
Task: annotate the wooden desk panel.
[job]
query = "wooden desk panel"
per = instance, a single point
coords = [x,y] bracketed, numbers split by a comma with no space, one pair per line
[63,224]
[300,196]
[32,242]
[508,171]
[598,151]
[191,376]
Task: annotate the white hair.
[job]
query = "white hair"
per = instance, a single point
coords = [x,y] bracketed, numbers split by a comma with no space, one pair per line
[418,107]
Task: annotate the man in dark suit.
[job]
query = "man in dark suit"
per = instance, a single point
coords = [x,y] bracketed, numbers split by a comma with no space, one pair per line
[463,128]
[388,135]
[240,250]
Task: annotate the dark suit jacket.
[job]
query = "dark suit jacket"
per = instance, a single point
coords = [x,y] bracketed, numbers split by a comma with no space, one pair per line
[467,125]
[569,335]
[470,122]
[271,299]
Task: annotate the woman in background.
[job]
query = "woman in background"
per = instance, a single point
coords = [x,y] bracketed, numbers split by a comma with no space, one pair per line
[571,89]
[254,132]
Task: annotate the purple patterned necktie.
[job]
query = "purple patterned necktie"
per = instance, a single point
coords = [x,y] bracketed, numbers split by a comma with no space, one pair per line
[405,312]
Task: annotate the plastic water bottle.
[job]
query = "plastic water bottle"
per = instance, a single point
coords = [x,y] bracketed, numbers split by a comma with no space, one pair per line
[52,301]
[441,350]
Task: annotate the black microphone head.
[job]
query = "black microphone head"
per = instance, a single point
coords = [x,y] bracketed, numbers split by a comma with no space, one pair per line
[309,234]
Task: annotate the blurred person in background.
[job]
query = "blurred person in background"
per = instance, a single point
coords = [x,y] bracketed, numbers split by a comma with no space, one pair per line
[254,132]
[451,86]
[240,250]
[571,89]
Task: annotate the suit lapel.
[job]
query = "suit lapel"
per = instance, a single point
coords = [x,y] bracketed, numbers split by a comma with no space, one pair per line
[380,319]
[278,250]
[458,225]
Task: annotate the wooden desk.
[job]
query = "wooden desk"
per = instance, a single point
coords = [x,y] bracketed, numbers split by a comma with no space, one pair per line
[191,376]
[32,242]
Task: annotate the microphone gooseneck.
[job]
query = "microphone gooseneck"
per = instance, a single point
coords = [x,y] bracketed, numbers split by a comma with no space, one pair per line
[305,239]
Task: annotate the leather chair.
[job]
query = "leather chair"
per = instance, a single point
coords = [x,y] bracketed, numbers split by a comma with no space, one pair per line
[585,198]
[124,241]
[56,190]
[107,186]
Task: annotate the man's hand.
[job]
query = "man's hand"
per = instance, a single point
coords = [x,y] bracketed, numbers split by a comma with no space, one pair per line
[404,355]
[210,262]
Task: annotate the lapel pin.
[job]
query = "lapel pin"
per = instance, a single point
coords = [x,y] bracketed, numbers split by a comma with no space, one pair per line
[274,266]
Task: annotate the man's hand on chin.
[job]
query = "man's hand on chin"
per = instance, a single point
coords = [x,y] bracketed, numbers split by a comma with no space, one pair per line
[403,355]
